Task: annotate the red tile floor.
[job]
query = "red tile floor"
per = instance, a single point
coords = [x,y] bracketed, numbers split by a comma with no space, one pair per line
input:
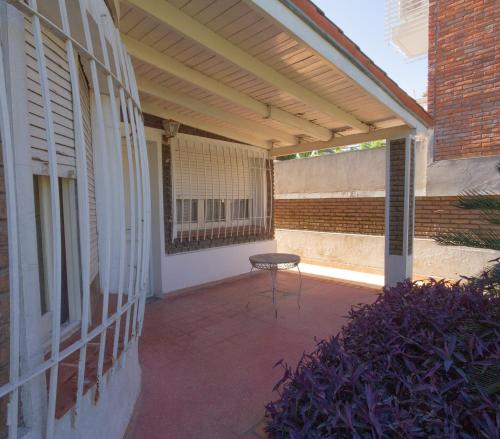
[207,360]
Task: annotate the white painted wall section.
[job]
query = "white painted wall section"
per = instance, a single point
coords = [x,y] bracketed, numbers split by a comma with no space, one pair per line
[366,253]
[362,174]
[451,177]
[347,174]
[110,418]
[194,268]
[154,144]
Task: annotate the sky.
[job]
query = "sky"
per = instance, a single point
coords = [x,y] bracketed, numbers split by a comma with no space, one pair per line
[363,22]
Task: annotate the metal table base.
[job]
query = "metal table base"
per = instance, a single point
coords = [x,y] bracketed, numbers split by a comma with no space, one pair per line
[274,262]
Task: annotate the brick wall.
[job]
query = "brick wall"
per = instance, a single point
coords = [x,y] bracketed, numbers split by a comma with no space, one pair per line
[340,215]
[4,300]
[464,83]
[366,215]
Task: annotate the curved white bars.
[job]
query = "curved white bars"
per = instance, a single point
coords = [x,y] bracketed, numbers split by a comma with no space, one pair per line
[112,81]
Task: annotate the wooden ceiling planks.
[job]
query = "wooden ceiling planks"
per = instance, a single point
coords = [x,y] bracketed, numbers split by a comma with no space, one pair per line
[261,38]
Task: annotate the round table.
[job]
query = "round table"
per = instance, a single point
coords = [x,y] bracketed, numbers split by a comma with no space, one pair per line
[274,262]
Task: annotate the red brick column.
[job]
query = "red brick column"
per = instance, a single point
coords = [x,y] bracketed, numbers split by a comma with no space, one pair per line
[399,209]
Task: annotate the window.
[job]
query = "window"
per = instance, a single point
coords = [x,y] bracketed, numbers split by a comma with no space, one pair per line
[215,210]
[187,211]
[220,190]
[70,273]
[240,209]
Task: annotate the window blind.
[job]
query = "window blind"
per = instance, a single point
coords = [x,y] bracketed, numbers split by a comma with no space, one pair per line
[219,188]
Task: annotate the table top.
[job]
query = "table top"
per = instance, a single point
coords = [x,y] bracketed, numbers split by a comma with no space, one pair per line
[274,259]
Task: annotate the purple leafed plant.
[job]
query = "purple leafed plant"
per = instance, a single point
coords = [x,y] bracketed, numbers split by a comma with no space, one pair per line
[423,361]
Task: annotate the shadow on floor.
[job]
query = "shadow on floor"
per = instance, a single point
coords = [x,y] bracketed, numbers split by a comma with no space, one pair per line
[207,358]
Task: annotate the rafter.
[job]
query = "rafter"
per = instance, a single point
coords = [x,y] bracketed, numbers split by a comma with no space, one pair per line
[353,139]
[230,133]
[173,96]
[146,54]
[188,26]
[295,22]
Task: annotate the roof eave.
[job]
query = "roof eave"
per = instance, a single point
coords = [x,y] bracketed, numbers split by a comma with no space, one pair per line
[310,15]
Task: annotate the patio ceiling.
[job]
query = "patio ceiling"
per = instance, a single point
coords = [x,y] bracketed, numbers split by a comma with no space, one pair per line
[275,74]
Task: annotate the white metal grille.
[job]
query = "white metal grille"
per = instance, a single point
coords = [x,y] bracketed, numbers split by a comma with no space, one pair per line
[406,26]
[219,188]
[111,74]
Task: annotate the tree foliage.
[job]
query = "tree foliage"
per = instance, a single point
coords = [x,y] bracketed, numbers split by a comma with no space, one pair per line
[329,151]
[488,205]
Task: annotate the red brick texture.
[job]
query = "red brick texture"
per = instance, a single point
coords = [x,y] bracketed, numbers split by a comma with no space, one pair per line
[397,195]
[411,205]
[340,215]
[366,215]
[464,77]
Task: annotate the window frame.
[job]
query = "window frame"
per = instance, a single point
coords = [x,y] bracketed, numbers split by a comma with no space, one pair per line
[248,207]
[184,222]
[185,169]
[68,204]
[202,223]
[223,207]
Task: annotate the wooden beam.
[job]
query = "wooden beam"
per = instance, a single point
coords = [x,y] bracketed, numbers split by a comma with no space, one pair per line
[385,133]
[295,22]
[188,26]
[230,133]
[146,54]
[252,127]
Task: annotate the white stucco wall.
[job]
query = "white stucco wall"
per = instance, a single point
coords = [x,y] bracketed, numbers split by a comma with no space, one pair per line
[109,418]
[198,267]
[366,252]
[348,174]
[362,174]
[451,177]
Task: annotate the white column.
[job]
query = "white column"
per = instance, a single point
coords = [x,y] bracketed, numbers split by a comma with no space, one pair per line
[399,209]
[154,143]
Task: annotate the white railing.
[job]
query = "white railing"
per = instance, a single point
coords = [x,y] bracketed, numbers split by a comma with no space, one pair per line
[114,65]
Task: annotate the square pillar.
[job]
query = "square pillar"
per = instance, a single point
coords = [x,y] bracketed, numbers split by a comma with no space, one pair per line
[399,209]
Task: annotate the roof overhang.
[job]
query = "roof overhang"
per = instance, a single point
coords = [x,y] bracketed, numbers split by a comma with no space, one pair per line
[303,19]
[275,74]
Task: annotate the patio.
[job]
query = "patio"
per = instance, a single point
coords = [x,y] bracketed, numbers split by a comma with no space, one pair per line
[207,361]
[140,163]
